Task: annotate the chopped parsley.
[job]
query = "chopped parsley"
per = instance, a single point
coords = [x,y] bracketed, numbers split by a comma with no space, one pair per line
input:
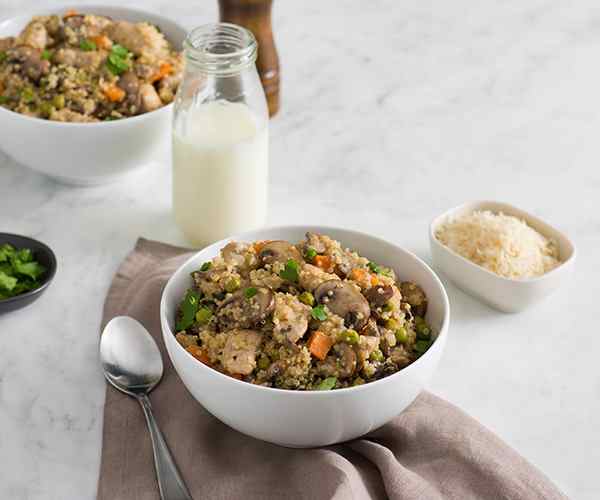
[87,45]
[118,60]
[250,292]
[327,384]
[19,271]
[310,254]
[206,266]
[46,55]
[187,310]
[291,272]
[319,312]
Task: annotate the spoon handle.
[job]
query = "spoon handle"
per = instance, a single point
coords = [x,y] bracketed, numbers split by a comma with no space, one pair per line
[170,482]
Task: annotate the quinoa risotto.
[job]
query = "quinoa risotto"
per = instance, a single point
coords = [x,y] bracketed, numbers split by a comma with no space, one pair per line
[87,68]
[306,316]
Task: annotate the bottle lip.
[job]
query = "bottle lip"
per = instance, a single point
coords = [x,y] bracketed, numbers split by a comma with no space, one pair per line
[221,48]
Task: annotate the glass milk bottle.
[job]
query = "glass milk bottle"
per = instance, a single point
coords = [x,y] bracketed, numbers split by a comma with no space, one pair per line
[220,136]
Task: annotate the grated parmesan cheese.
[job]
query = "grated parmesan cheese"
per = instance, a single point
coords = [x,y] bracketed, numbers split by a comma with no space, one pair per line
[500,243]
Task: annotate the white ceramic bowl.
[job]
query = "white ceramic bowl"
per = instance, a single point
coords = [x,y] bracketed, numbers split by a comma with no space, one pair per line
[88,153]
[506,295]
[304,418]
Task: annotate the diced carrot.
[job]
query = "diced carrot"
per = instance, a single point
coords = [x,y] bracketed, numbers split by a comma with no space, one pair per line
[164,70]
[374,280]
[358,274]
[102,41]
[198,353]
[319,345]
[323,261]
[114,93]
[237,376]
[70,13]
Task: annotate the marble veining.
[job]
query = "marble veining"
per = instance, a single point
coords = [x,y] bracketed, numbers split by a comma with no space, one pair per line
[392,112]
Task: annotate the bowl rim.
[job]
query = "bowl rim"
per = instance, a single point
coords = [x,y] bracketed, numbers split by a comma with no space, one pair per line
[47,279]
[443,330]
[515,212]
[28,13]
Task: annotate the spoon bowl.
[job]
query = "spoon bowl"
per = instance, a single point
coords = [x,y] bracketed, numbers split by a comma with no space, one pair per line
[130,357]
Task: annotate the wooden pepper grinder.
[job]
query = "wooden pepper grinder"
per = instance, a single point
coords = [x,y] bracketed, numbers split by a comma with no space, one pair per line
[255,15]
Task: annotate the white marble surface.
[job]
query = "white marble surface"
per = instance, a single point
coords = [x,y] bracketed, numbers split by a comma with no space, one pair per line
[392,113]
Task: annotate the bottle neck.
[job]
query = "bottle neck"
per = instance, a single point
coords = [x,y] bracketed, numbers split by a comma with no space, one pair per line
[220,49]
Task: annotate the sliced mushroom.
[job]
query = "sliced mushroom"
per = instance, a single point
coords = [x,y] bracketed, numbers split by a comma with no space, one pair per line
[239,353]
[131,85]
[34,35]
[345,300]
[379,295]
[348,360]
[239,311]
[6,43]
[278,251]
[415,296]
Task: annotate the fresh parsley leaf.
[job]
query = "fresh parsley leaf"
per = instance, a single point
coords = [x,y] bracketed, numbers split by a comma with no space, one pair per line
[291,271]
[7,282]
[374,268]
[206,266]
[87,45]
[250,292]
[31,269]
[119,50]
[6,251]
[327,384]
[46,55]
[319,312]
[310,254]
[188,309]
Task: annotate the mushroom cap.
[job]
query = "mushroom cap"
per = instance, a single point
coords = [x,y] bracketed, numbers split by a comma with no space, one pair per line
[415,296]
[278,251]
[243,312]
[345,300]
[378,295]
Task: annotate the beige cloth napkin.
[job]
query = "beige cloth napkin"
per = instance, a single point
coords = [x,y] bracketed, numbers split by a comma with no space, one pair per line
[431,451]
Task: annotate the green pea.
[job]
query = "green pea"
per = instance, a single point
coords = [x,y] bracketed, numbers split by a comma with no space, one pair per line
[232,284]
[58,101]
[204,315]
[307,298]
[421,346]
[376,355]
[388,307]
[263,362]
[351,336]
[422,329]
[46,108]
[401,335]
[392,324]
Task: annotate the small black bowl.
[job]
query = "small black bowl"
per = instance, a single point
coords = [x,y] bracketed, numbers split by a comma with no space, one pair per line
[43,255]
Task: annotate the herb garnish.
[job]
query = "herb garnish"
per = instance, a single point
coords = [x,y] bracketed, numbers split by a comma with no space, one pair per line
[250,292]
[19,271]
[188,309]
[319,312]
[291,272]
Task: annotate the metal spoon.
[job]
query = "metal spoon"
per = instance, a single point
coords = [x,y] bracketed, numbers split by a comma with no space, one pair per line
[131,362]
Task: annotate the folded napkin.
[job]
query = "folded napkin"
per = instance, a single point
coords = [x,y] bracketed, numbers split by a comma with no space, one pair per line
[431,451]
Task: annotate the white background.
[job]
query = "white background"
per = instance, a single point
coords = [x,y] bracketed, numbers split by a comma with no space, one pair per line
[392,112]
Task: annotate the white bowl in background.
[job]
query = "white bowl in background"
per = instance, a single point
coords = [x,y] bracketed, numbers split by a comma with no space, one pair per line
[504,294]
[88,153]
[308,418]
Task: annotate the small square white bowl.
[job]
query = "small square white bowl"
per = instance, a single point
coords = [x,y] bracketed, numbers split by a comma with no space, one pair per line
[504,294]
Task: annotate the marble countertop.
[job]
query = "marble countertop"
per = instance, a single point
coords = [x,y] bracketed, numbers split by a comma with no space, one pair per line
[390,115]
